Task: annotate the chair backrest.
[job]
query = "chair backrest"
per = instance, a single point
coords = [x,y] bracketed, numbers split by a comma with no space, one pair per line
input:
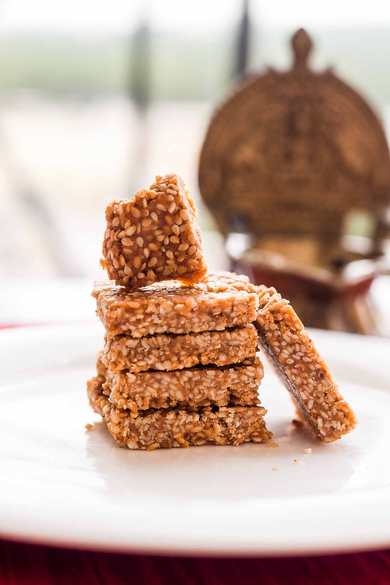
[292,153]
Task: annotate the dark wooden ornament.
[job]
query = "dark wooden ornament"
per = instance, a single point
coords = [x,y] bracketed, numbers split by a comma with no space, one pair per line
[293,152]
[285,160]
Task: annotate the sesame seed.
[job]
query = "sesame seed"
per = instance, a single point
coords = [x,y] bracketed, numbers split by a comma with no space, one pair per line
[135,212]
[131,230]
[137,261]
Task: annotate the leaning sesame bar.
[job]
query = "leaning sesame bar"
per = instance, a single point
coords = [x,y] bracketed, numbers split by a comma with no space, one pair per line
[156,429]
[190,388]
[303,371]
[176,352]
[152,237]
[222,301]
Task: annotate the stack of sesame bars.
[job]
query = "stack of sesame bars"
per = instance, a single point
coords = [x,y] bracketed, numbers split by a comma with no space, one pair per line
[179,364]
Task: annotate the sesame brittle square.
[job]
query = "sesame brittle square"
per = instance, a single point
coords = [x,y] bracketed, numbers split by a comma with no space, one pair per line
[235,384]
[301,368]
[152,237]
[175,352]
[222,301]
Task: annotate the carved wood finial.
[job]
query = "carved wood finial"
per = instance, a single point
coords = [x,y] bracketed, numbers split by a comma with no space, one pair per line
[302,45]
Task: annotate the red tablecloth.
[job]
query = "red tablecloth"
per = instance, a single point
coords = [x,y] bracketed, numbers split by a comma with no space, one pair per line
[26,564]
[22,564]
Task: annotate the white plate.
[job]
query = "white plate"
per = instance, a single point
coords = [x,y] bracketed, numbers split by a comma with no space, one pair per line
[61,484]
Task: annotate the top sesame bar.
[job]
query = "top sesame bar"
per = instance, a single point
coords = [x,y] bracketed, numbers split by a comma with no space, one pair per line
[152,237]
[304,372]
[224,300]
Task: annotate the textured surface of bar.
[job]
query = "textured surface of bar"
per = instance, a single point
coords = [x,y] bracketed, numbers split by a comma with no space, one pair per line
[224,300]
[190,388]
[176,352]
[152,237]
[180,428]
[303,371]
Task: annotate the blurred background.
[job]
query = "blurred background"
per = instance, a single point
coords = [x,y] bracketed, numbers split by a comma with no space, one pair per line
[98,97]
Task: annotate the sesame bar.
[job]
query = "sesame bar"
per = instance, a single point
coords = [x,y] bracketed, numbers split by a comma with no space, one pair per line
[176,352]
[305,374]
[152,237]
[156,429]
[194,387]
[223,301]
